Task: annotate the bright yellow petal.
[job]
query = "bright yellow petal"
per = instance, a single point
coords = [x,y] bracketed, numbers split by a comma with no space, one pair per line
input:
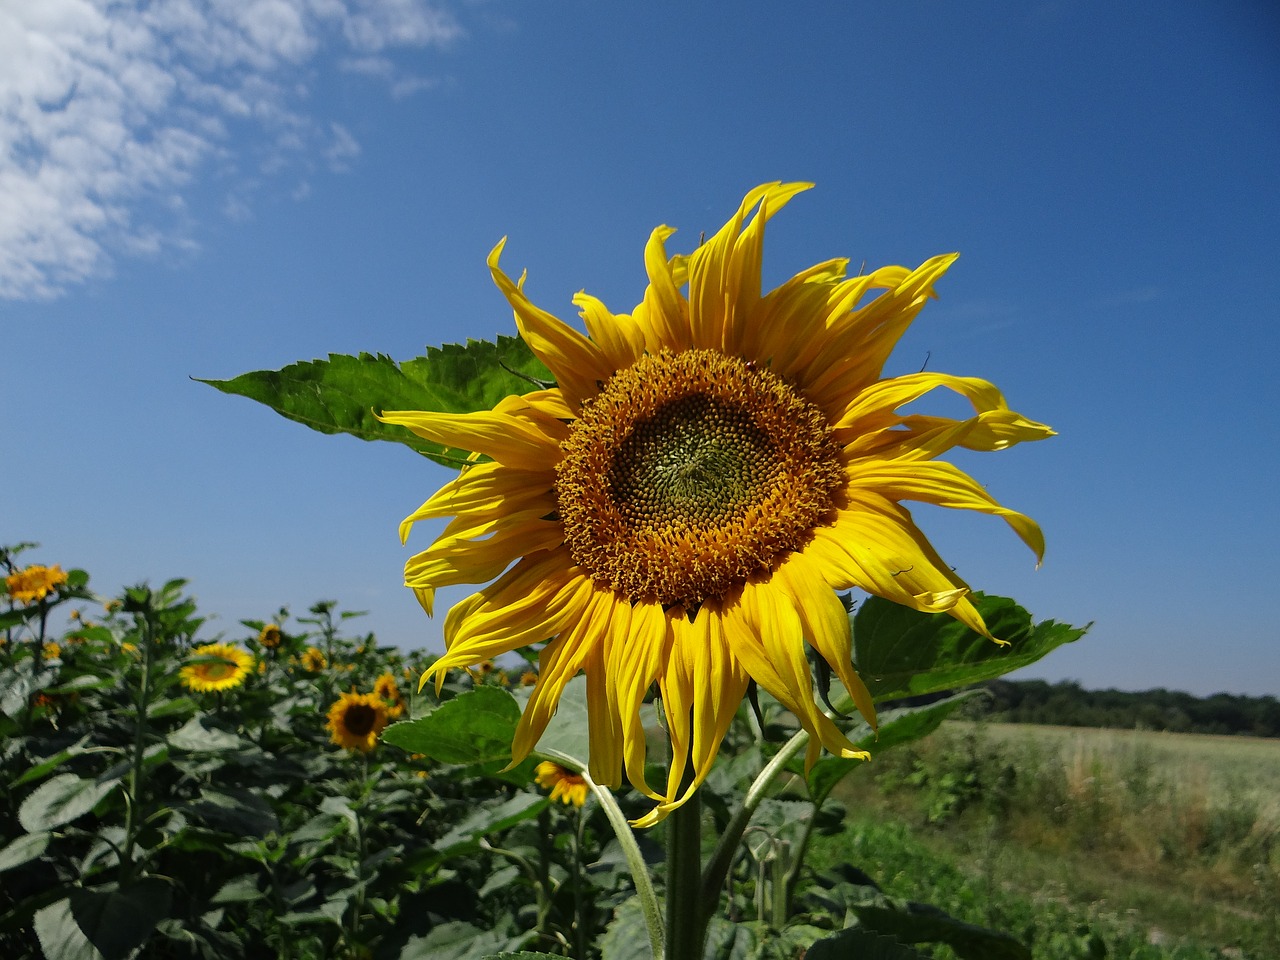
[916,437]
[724,272]
[527,442]
[943,485]
[618,335]
[637,649]
[576,363]
[454,560]
[663,314]
[485,489]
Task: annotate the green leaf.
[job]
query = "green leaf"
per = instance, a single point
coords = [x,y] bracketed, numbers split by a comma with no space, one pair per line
[901,652]
[860,943]
[60,800]
[45,767]
[523,955]
[454,940]
[898,726]
[474,727]
[200,735]
[237,811]
[921,923]
[627,936]
[567,736]
[23,850]
[96,925]
[490,819]
[341,394]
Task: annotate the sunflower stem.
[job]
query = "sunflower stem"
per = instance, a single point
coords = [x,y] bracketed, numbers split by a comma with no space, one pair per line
[635,859]
[727,848]
[687,917]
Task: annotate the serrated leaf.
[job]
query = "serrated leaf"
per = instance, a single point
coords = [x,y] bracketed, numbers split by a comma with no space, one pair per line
[341,394]
[237,811]
[474,727]
[62,799]
[199,735]
[23,850]
[901,652]
[454,940]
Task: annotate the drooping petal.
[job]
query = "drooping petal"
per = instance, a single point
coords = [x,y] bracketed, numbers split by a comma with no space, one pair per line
[462,559]
[663,314]
[943,485]
[487,489]
[617,334]
[576,363]
[528,442]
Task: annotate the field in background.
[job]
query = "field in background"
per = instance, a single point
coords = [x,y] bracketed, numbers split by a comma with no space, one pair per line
[1155,843]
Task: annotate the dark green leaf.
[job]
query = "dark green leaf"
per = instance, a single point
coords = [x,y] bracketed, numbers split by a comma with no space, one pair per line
[486,820]
[474,727]
[901,652]
[627,936]
[95,925]
[920,923]
[341,394]
[237,811]
[60,800]
[453,941]
[201,735]
[567,736]
[523,955]
[862,944]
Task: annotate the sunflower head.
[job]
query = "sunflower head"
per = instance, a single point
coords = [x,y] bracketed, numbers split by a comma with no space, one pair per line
[565,785]
[356,719]
[683,506]
[269,637]
[34,583]
[216,666]
[314,660]
[387,690]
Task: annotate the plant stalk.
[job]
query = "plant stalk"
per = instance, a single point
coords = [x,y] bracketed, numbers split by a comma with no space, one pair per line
[687,915]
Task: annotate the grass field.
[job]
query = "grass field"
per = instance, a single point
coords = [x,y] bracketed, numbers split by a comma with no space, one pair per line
[1157,845]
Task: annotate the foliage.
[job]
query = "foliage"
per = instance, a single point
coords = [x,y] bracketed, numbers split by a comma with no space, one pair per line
[145,819]
[1069,704]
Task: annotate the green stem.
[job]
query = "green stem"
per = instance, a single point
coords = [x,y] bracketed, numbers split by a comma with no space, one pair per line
[722,858]
[631,851]
[687,915]
[579,920]
[135,812]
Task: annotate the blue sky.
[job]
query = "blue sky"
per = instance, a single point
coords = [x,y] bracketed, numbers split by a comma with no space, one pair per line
[190,189]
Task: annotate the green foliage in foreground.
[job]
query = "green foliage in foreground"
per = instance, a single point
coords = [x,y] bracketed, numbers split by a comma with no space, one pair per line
[143,818]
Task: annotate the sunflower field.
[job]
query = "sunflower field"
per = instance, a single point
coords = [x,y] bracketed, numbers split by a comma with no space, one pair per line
[634,732]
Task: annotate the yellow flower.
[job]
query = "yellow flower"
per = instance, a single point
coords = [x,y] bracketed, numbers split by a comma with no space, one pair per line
[269,636]
[313,660]
[528,678]
[220,666]
[387,690]
[565,786]
[356,719]
[684,505]
[51,650]
[34,583]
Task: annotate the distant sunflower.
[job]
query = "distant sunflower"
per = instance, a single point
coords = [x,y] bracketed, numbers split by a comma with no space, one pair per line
[269,636]
[565,786]
[314,660]
[217,666]
[387,690]
[683,506]
[356,719]
[34,583]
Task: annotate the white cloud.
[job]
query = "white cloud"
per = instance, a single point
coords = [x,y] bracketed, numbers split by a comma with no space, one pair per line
[109,107]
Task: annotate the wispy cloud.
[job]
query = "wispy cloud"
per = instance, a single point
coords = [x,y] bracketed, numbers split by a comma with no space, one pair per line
[110,109]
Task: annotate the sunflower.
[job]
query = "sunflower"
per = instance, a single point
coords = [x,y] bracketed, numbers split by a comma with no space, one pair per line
[356,719]
[683,506]
[219,666]
[314,660]
[565,786]
[387,690]
[34,583]
[269,636]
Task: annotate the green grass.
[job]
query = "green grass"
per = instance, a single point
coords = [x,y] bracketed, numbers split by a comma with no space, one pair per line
[1153,845]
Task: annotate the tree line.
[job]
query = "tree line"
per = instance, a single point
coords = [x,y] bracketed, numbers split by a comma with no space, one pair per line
[1068,704]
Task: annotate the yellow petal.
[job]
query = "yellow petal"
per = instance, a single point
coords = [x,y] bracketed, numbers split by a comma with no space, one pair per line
[525,442]
[663,314]
[618,335]
[576,363]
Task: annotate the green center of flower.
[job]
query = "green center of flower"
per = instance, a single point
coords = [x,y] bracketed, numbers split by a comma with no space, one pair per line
[691,472]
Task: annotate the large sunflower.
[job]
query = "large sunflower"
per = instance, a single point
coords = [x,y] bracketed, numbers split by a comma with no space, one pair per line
[218,666]
[683,505]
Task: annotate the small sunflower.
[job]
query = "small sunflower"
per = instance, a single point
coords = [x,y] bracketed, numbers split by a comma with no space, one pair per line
[218,666]
[387,690]
[314,660]
[269,636]
[51,650]
[356,719]
[565,786]
[684,505]
[34,583]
